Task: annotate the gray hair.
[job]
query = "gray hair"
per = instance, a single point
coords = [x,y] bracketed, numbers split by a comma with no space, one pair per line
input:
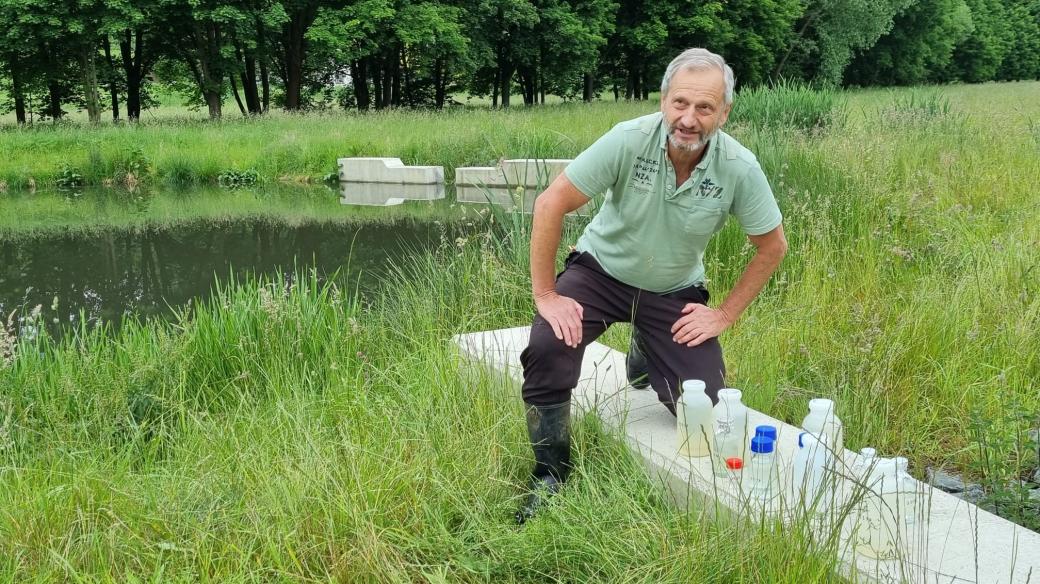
[700,60]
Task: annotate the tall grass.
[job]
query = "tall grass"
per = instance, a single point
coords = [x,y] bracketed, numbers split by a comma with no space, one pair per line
[284,432]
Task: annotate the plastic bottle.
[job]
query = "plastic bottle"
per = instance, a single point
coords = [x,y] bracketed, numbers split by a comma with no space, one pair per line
[907,491]
[761,479]
[694,418]
[822,421]
[878,525]
[808,472]
[731,436]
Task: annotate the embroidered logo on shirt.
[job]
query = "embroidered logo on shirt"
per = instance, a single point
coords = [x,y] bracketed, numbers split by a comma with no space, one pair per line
[709,190]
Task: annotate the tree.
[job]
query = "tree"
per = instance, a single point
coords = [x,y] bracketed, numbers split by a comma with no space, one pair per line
[830,32]
[919,48]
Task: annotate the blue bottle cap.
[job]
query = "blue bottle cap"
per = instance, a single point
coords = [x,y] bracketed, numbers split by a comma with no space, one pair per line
[766,430]
[761,444]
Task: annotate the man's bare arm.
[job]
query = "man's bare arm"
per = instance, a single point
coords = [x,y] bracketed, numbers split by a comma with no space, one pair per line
[562,313]
[700,323]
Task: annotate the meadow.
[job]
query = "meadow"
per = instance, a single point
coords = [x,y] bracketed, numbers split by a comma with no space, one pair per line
[287,431]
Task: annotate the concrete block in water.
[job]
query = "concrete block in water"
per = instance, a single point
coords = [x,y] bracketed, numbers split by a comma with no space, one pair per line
[388,170]
[535,173]
[954,541]
[387,194]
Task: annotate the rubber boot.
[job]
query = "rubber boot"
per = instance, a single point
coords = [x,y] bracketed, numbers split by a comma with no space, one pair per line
[549,428]
[635,362]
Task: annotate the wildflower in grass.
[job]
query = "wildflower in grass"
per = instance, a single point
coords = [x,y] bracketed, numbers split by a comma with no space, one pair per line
[8,339]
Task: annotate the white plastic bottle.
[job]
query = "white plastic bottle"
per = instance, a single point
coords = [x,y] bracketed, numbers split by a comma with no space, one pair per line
[808,472]
[761,478]
[693,414]
[822,421]
[731,436]
[878,525]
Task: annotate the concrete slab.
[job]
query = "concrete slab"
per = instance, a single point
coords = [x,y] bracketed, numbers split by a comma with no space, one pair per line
[952,540]
[535,173]
[387,170]
[387,194]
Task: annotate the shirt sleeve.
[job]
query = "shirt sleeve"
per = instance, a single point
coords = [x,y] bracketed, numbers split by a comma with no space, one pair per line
[754,205]
[596,169]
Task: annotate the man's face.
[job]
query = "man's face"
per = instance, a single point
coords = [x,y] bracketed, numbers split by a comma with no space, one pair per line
[694,108]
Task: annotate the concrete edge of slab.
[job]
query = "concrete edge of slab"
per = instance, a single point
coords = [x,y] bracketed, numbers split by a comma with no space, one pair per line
[954,541]
[387,170]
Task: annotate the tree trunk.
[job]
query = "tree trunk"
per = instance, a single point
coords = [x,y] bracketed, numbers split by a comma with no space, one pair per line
[265,76]
[113,89]
[295,46]
[265,85]
[249,84]
[54,95]
[133,68]
[359,78]
[388,83]
[507,83]
[395,67]
[645,83]
[438,83]
[494,88]
[586,88]
[213,103]
[378,83]
[238,100]
[90,84]
[18,94]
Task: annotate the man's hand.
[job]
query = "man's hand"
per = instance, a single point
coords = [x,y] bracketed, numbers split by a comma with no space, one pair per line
[698,324]
[563,314]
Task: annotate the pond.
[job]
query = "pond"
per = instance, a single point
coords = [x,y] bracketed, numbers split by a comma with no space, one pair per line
[115,254]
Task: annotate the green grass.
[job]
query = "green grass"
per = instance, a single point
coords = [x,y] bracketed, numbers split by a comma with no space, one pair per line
[291,434]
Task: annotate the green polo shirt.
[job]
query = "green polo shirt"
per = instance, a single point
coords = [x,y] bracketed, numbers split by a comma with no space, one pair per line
[650,234]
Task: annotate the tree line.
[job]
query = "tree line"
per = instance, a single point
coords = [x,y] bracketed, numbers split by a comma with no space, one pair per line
[108,55]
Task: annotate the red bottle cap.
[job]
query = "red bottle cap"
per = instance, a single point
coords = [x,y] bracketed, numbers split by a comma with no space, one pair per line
[735,463]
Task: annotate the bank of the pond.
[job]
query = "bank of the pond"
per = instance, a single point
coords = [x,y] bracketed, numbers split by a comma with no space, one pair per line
[305,147]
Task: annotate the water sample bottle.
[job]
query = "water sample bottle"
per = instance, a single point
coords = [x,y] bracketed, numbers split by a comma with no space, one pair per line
[761,479]
[877,530]
[694,416]
[907,491]
[731,436]
[822,421]
[808,472]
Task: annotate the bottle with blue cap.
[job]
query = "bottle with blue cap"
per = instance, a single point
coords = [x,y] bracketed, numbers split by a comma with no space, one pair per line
[762,476]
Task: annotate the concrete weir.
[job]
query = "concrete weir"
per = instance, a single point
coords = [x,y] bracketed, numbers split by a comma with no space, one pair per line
[387,170]
[513,183]
[951,541]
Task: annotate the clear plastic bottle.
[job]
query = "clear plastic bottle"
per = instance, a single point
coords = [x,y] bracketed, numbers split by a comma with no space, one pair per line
[808,472]
[908,503]
[761,479]
[694,420]
[731,436]
[878,526]
[823,421]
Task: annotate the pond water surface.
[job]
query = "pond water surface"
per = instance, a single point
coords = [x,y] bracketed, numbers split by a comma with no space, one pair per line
[152,268]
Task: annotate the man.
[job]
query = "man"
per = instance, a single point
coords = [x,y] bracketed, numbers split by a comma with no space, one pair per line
[664,183]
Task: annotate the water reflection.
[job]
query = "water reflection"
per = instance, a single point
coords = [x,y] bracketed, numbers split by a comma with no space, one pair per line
[150,271]
[510,198]
[385,195]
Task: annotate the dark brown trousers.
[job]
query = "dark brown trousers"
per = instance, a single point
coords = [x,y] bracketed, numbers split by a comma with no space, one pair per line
[551,368]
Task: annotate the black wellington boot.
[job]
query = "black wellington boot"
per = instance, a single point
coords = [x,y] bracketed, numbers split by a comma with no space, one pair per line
[635,362]
[549,428]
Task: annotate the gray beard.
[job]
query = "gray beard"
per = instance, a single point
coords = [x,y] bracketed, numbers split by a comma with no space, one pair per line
[690,146]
